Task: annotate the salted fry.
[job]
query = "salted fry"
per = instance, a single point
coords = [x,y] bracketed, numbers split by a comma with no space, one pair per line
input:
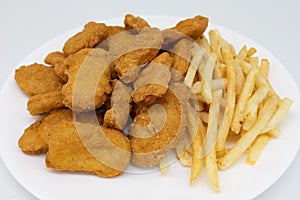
[264,68]
[211,139]
[283,109]
[230,99]
[257,147]
[243,99]
[246,140]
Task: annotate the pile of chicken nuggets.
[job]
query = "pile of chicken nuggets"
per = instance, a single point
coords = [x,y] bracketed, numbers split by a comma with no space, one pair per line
[121,82]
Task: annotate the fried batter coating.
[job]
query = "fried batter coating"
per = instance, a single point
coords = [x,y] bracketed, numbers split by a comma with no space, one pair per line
[56,59]
[92,34]
[44,103]
[68,150]
[37,79]
[132,22]
[151,141]
[89,75]
[192,27]
[117,116]
[31,142]
[181,54]
[144,48]
[153,81]
[113,30]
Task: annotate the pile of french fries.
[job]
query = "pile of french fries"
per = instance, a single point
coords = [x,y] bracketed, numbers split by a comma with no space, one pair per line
[235,100]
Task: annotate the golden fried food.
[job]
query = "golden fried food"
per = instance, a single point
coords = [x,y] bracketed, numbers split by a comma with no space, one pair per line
[156,130]
[181,53]
[192,27]
[113,30]
[117,116]
[144,48]
[56,59]
[153,81]
[37,79]
[68,152]
[31,142]
[89,75]
[44,103]
[132,22]
[92,34]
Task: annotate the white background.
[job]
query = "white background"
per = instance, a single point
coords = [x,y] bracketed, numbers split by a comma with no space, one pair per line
[26,25]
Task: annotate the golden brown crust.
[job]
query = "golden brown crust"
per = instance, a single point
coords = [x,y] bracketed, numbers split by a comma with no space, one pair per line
[92,34]
[55,58]
[44,103]
[132,22]
[37,79]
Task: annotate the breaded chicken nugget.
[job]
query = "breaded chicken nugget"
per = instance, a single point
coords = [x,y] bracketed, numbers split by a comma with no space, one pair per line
[70,150]
[37,79]
[31,142]
[117,116]
[56,59]
[192,27]
[132,22]
[89,75]
[181,53]
[113,30]
[44,103]
[144,48]
[92,34]
[154,135]
[153,81]
[35,138]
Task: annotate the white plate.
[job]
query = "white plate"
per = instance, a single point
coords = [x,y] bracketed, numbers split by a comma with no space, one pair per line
[241,181]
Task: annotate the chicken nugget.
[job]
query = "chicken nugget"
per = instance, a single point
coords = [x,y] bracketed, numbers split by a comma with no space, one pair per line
[37,79]
[144,48]
[57,59]
[117,116]
[93,149]
[92,34]
[31,142]
[153,81]
[132,22]
[181,53]
[113,30]
[192,28]
[157,130]
[44,103]
[89,75]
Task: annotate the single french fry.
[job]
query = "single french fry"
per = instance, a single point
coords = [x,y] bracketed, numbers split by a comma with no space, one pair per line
[282,111]
[252,61]
[275,133]
[185,159]
[257,147]
[164,165]
[264,68]
[250,112]
[189,78]
[242,53]
[197,87]
[214,40]
[240,78]
[247,139]
[206,73]
[211,139]
[219,84]
[230,99]
[243,99]
[203,42]
[251,52]
[204,117]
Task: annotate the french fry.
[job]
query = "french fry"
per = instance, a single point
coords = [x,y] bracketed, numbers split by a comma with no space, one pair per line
[189,78]
[219,84]
[206,73]
[230,99]
[251,52]
[240,78]
[211,139]
[164,165]
[196,130]
[250,113]
[182,149]
[243,99]
[197,87]
[203,42]
[204,117]
[264,68]
[283,109]
[242,53]
[214,40]
[247,139]
[185,159]
[275,133]
[257,147]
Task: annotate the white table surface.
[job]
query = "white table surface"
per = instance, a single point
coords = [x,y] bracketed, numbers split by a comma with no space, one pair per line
[26,25]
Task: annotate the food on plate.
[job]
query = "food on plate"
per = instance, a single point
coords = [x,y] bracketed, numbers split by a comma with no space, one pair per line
[153,81]
[117,95]
[37,79]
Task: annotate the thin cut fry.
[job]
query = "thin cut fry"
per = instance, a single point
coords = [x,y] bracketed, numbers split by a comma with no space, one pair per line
[230,100]
[251,52]
[246,140]
[275,133]
[219,84]
[240,78]
[257,147]
[188,80]
[243,99]
[197,87]
[242,53]
[264,68]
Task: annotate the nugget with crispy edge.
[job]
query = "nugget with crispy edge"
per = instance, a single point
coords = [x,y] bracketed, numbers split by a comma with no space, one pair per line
[92,34]
[88,148]
[132,22]
[56,59]
[37,79]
